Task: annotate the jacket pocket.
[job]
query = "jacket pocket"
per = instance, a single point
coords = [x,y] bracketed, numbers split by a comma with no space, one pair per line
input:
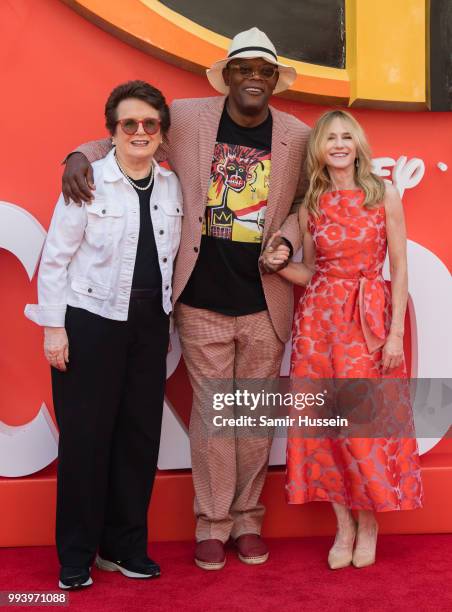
[172,216]
[104,220]
[104,208]
[172,208]
[93,289]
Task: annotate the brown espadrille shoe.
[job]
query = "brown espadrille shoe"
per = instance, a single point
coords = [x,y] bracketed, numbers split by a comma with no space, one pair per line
[210,555]
[251,549]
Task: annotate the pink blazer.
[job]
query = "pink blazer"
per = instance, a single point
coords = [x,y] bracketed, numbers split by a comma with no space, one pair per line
[189,150]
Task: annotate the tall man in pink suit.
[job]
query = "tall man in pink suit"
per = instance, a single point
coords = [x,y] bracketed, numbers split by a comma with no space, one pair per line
[240,163]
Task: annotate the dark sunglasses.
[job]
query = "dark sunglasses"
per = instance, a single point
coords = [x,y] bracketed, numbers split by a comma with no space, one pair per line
[130,126]
[266,72]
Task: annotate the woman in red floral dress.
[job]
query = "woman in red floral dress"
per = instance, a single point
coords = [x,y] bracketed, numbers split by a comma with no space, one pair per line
[350,325]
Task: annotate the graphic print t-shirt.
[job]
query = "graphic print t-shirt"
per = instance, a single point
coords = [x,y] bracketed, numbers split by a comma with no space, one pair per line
[226,276]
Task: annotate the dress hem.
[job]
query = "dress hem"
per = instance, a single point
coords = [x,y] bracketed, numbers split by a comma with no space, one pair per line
[414,506]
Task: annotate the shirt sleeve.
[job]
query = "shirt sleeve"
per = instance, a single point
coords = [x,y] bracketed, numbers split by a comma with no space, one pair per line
[63,239]
[161,155]
[93,150]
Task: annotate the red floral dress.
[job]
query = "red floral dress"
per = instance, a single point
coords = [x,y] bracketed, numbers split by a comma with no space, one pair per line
[339,329]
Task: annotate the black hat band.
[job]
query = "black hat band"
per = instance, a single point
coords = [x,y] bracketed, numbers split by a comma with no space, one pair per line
[269,51]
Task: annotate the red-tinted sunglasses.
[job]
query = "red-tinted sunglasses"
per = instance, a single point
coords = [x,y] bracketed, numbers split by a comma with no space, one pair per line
[130,126]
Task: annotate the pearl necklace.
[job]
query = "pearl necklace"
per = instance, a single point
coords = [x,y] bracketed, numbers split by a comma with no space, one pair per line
[129,180]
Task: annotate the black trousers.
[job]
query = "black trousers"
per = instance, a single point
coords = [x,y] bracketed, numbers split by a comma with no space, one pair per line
[108,407]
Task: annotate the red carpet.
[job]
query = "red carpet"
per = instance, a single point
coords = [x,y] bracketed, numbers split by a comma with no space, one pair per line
[412,573]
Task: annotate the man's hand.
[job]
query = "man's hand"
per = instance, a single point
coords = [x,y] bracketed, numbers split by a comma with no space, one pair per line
[78,180]
[275,256]
[56,347]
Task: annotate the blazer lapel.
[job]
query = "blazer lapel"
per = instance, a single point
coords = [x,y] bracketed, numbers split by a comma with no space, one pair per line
[280,153]
[209,120]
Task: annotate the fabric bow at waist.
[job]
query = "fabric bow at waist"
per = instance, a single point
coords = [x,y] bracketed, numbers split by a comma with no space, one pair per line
[367,307]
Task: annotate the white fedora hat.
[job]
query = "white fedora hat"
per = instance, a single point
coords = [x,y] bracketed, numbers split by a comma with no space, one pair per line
[251,44]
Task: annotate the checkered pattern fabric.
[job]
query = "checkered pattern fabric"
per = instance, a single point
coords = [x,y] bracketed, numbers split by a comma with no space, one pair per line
[229,463]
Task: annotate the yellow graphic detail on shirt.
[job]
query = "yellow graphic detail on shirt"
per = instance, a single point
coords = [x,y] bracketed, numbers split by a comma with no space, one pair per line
[238,193]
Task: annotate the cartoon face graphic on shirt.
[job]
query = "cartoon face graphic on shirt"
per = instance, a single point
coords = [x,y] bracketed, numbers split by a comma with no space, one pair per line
[238,192]
[235,168]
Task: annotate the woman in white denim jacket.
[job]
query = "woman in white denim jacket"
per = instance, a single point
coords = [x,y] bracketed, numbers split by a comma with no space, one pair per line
[104,290]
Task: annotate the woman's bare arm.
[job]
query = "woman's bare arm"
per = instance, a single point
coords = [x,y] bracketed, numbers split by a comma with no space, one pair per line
[301,273]
[396,236]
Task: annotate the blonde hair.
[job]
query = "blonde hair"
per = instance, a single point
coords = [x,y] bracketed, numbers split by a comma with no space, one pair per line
[319,178]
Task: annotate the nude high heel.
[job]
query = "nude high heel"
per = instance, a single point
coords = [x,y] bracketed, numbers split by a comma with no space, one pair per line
[364,554]
[341,555]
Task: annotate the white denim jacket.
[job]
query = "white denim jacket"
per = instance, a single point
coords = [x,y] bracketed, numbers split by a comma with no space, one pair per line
[89,254]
